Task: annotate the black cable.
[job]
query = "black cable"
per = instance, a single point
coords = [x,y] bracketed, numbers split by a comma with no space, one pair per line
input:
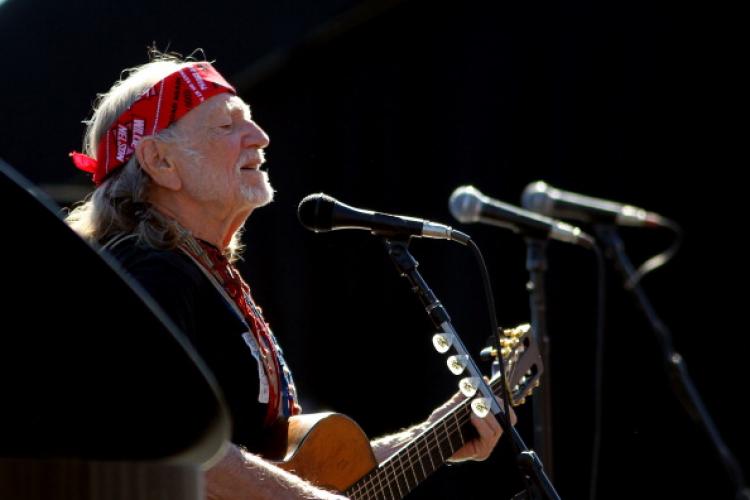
[598,369]
[490,298]
[657,261]
[675,366]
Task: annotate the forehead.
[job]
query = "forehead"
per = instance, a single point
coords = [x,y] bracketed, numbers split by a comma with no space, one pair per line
[224,102]
[217,105]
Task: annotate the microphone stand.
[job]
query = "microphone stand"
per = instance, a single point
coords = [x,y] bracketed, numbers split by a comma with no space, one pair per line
[536,264]
[539,487]
[674,364]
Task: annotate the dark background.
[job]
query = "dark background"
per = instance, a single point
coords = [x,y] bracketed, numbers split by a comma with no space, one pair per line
[390,105]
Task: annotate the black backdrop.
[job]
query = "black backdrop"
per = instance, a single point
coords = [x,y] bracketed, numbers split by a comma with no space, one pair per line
[391,105]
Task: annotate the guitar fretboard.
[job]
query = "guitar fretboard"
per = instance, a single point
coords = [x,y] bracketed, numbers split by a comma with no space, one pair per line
[395,477]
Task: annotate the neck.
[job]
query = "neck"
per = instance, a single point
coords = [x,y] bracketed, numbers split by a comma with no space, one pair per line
[216,226]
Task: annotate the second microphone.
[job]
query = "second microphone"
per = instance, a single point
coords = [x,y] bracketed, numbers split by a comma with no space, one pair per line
[468,204]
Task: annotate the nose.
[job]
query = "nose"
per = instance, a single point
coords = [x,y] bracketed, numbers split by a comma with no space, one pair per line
[255,137]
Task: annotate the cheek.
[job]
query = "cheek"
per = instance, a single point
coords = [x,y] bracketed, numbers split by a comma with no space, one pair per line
[225,149]
[216,163]
[216,147]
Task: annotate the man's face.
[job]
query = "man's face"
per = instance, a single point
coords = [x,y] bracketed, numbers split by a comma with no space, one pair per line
[220,158]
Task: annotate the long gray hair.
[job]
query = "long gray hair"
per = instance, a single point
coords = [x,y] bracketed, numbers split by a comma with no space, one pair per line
[119,207]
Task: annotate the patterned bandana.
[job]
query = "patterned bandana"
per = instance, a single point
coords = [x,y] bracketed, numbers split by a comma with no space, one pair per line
[280,393]
[158,108]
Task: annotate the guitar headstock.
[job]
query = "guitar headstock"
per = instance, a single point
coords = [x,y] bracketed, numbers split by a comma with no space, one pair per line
[522,362]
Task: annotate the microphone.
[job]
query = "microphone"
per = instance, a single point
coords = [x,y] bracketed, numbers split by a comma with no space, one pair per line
[545,199]
[320,212]
[468,204]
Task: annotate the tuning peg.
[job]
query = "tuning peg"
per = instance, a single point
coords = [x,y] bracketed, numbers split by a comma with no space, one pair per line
[518,331]
[488,354]
[508,342]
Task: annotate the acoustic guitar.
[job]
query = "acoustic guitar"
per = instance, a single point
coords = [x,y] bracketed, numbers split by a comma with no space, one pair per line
[331,451]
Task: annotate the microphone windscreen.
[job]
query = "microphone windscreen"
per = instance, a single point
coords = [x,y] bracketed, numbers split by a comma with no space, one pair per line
[536,198]
[465,204]
[315,212]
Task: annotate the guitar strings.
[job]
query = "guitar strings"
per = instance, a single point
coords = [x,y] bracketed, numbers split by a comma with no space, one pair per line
[461,415]
[396,462]
[400,467]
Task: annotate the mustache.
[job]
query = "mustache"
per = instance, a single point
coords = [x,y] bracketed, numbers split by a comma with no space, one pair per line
[256,156]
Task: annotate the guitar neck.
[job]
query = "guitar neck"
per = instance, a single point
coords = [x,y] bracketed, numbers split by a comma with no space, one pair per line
[404,470]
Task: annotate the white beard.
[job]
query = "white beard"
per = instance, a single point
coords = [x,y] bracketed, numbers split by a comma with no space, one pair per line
[259,195]
[205,183]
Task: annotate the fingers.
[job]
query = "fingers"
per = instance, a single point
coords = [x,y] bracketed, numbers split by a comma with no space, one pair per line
[443,409]
[489,431]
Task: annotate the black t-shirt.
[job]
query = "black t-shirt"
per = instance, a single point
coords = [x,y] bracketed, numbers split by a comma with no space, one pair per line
[211,324]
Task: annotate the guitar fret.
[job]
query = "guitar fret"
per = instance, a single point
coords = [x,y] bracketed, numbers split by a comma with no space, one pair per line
[403,473]
[400,493]
[417,480]
[405,469]
[420,456]
[392,480]
[389,485]
[377,488]
[437,456]
[445,447]
[382,486]
[448,437]
[460,430]
[456,435]
[409,456]
[437,442]
[361,491]
[402,481]
[390,488]
[365,491]
[370,480]
[429,455]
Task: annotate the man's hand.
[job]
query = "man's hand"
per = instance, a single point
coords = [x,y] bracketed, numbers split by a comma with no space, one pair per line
[488,428]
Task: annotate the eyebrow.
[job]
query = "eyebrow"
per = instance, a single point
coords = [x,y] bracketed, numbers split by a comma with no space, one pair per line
[233,104]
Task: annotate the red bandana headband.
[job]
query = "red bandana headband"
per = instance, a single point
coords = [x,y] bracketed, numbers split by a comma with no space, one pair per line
[158,108]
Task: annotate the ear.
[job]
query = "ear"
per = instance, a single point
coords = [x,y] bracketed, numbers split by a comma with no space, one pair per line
[153,156]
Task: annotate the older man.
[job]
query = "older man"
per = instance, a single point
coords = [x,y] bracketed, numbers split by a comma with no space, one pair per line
[176,157]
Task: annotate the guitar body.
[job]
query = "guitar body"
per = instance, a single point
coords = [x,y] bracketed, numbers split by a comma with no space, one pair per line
[328,449]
